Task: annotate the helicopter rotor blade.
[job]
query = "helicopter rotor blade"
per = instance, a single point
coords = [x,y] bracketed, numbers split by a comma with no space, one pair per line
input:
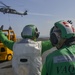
[4,4]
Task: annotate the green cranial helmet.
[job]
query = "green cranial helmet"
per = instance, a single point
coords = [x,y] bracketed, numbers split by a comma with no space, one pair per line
[60,32]
[67,30]
[30,31]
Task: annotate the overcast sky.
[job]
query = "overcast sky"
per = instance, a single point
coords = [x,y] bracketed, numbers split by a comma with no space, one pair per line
[42,13]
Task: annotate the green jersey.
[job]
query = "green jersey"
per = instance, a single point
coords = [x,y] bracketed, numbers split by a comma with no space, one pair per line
[60,62]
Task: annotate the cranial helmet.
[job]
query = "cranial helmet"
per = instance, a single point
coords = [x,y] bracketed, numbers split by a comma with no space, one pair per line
[61,30]
[30,31]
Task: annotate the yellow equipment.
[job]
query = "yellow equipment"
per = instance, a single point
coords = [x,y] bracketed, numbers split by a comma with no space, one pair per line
[5,53]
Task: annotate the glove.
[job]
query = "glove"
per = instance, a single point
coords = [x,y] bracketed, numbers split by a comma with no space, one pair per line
[1,28]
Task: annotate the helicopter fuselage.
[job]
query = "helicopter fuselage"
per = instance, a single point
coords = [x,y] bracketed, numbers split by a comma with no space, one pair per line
[6,9]
[11,11]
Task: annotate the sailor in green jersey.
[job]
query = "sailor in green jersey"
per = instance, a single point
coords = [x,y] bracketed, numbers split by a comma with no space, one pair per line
[9,43]
[62,60]
[27,52]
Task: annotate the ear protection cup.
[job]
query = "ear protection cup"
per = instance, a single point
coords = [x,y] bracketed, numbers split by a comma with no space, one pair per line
[36,33]
[53,39]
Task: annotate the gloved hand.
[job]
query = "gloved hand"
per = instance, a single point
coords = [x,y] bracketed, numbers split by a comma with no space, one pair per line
[1,28]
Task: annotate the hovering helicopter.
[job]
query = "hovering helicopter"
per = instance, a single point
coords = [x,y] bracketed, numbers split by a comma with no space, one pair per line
[6,9]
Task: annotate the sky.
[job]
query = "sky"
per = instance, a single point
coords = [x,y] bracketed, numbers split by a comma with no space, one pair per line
[41,13]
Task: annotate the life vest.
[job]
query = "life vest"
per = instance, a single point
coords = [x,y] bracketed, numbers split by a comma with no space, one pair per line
[27,57]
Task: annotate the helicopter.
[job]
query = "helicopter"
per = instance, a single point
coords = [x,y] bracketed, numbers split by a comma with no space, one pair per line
[6,9]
